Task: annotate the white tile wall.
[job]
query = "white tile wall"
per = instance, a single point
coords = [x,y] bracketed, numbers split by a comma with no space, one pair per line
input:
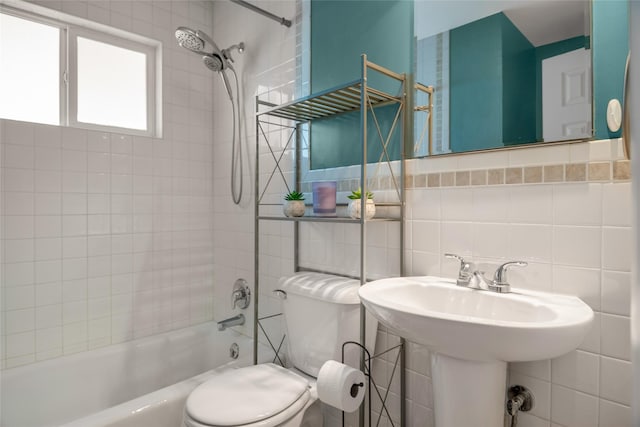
[576,238]
[108,236]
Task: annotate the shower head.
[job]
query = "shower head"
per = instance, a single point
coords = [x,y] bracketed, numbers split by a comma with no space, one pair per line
[196,41]
[188,39]
[213,62]
[217,60]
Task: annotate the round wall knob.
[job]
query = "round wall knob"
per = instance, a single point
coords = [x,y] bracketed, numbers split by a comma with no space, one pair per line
[614,115]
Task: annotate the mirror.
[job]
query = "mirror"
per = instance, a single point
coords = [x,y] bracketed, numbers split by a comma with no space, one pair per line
[505,73]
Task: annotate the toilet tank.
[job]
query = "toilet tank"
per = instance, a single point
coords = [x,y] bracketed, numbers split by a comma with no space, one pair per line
[321,312]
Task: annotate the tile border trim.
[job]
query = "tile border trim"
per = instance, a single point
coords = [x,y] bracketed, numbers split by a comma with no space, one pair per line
[607,171]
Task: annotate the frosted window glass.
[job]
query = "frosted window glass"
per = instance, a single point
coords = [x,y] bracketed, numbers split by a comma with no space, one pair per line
[29,70]
[112,85]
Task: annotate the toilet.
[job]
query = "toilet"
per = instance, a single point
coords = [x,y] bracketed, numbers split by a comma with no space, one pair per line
[321,312]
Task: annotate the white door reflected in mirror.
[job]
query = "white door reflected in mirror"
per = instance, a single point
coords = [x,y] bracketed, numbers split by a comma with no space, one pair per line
[566,96]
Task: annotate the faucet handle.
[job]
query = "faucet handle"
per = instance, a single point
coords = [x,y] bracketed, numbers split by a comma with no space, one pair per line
[500,276]
[465,273]
[499,283]
[458,257]
[241,294]
[464,265]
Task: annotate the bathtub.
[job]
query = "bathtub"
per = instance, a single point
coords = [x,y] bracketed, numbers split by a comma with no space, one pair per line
[140,383]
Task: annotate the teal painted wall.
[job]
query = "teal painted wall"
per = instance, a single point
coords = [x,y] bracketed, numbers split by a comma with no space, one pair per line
[610,47]
[548,51]
[476,85]
[336,142]
[518,86]
[341,31]
[492,85]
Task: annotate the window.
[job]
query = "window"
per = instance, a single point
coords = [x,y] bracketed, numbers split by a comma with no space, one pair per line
[29,70]
[111,85]
[63,73]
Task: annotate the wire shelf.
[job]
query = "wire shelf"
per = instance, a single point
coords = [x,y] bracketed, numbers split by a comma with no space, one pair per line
[338,100]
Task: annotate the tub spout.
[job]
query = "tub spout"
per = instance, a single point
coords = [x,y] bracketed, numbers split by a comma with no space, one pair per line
[232,321]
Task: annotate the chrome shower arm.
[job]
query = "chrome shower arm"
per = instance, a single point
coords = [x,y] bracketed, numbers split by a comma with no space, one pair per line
[227,52]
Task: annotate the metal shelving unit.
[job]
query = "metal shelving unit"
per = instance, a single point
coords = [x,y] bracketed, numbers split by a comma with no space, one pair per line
[355,96]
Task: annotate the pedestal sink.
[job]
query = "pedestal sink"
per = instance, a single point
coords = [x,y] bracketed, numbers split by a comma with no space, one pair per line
[472,334]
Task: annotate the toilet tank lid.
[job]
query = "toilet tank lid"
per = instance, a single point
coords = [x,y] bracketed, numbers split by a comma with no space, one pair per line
[325,287]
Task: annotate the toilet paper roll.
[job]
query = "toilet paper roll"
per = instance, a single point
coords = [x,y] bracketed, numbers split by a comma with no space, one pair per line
[341,386]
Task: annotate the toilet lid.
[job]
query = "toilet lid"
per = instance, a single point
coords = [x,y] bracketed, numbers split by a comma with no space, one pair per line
[245,395]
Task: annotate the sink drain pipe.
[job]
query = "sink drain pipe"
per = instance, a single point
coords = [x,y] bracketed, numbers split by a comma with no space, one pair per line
[520,400]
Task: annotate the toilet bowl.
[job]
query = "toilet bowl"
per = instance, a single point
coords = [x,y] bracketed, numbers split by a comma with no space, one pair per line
[256,396]
[320,312]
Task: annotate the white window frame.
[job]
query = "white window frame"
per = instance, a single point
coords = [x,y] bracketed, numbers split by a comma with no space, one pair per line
[63,52]
[148,51]
[71,28]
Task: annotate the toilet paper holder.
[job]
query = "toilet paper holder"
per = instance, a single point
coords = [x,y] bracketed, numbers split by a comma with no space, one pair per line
[354,389]
[367,374]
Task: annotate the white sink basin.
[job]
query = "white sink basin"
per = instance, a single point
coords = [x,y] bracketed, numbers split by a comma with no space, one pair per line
[472,334]
[478,325]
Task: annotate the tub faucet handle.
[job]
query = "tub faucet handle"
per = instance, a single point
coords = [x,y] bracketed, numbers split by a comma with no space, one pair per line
[241,294]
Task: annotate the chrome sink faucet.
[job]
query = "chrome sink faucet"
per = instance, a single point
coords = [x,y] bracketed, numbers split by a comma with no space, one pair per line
[471,278]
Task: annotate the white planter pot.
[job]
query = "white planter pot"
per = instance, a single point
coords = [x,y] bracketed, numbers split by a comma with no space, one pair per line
[293,208]
[354,209]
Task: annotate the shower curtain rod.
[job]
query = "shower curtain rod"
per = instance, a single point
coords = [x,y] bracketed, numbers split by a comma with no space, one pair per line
[263,12]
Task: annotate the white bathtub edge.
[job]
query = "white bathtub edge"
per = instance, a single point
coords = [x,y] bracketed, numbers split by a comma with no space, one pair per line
[164,405]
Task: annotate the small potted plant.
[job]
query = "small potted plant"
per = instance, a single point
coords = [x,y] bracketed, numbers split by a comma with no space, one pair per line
[355,205]
[293,204]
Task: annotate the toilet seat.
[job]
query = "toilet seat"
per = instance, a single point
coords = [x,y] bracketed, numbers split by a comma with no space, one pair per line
[259,395]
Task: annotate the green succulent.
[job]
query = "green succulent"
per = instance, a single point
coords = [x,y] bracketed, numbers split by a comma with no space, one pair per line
[294,195]
[355,195]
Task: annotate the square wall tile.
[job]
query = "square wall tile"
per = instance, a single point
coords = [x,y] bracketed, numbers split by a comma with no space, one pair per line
[529,242]
[531,204]
[616,292]
[572,408]
[615,380]
[614,414]
[577,246]
[18,203]
[616,334]
[577,370]
[577,204]
[616,204]
[617,246]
